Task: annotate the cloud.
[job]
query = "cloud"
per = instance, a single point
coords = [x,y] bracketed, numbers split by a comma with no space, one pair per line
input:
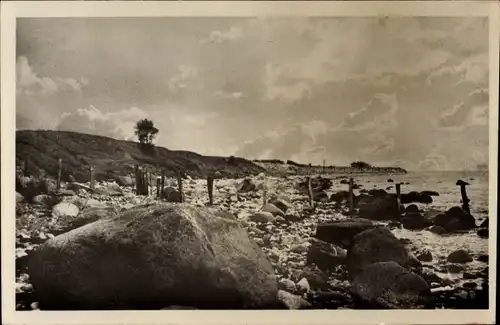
[378,113]
[119,125]
[220,94]
[218,37]
[181,79]
[29,83]
[473,111]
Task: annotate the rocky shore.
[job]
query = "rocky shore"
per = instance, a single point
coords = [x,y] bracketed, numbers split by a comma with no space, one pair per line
[261,245]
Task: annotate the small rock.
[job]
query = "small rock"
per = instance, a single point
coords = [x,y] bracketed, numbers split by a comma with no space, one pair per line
[292,301]
[65,209]
[483,258]
[483,233]
[459,256]
[469,285]
[262,217]
[454,268]
[273,209]
[437,230]
[425,256]
[19,198]
[287,284]
[303,285]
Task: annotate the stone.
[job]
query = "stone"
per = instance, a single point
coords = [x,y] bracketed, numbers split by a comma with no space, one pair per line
[291,301]
[425,256]
[454,268]
[273,209]
[316,278]
[303,285]
[281,204]
[485,223]
[111,189]
[246,186]
[287,284]
[125,180]
[379,208]
[342,232]
[170,194]
[65,209]
[262,217]
[388,285]
[483,233]
[415,221]
[483,258]
[430,193]
[459,256]
[293,217]
[164,255]
[86,216]
[93,203]
[455,219]
[325,255]
[376,245]
[416,197]
[437,230]
[412,208]
[42,199]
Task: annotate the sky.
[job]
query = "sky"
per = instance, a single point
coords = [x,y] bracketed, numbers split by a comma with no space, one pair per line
[398,91]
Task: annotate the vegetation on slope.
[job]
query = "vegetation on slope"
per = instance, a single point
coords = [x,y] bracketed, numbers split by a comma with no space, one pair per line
[113,158]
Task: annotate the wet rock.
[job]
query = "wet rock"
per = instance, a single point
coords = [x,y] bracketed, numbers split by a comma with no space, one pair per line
[415,221]
[379,208]
[376,245]
[343,231]
[483,233]
[437,230]
[262,217]
[65,209]
[412,208]
[459,256]
[388,285]
[425,256]
[416,197]
[430,276]
[291,301]
[325,255]
[454,268]
[147,247]
[273,209]
[455,219]
[246,186]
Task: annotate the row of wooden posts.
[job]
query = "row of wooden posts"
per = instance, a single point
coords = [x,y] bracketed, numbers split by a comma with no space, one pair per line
[463,192]
[143,180]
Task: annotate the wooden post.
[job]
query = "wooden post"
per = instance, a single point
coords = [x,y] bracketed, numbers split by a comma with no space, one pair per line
[323,166]
[309,191]
[162,184]
[137,180]
[92,177]
[158,184]
[179,185]
[398,196]
[465,199]
[210,187]
[59,172]
[264,193]
[351,195]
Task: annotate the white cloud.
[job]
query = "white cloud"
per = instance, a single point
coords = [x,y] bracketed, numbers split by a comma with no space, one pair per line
[473,69]
[220,94]
[181,79]
[218,37]
[119,125]
[29,83]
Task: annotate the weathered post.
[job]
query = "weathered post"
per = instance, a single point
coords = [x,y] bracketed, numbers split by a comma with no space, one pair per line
[323,166]
[179,185]
[137,180]
[158,184]
[351,195]
[59,172]
[465,199]
[264,193]
[162,184]
[92,177]
[210,187]
[398,196]
[309,191]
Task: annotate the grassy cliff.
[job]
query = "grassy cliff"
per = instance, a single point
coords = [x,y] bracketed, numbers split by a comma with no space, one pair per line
[112,157]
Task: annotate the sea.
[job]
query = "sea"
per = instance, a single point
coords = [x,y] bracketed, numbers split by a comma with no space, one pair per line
[449,195]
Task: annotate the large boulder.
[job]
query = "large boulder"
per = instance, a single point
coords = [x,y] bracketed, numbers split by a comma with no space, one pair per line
[388,285]
[111,189]
[125,180]
[455,219]
[416,197]
[459,256]
[325,255]
[377,245]
[415,221]
[379,207]
[341,232]
[153,256]
[84,217]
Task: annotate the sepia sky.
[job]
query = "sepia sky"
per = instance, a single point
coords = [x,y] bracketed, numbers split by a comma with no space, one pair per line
[402,91]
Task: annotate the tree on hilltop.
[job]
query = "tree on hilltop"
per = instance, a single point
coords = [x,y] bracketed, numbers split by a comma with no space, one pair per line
[360,165]
[145,131]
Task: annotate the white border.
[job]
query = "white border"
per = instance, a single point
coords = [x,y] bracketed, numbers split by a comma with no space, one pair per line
[11,10]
